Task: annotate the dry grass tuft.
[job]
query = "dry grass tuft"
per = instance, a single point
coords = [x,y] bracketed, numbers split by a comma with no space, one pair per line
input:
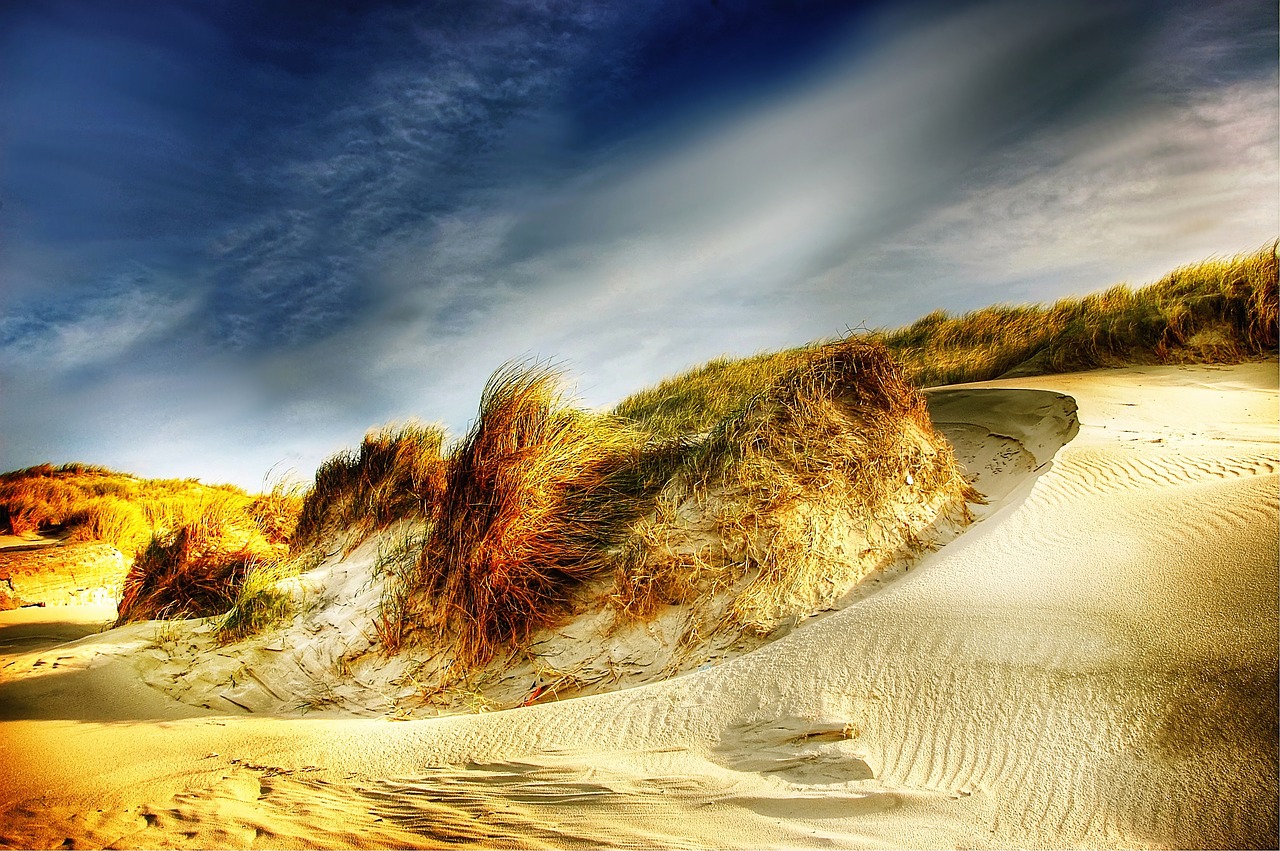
[534,497]
[195,570]
[397,473]
[812,483]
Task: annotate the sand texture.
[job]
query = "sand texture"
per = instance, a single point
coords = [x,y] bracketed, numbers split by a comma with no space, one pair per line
[1092,663]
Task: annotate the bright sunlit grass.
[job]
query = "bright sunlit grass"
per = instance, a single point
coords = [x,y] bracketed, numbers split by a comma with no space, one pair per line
[1218,311]
[540,497]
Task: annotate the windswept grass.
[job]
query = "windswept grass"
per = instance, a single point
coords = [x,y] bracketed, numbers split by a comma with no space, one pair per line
[191,544]
[1218,311]
[533,498]
[196,569]
[260,600]
[219,550]
[693,402]
[397,472]
[839,439]
[781,477]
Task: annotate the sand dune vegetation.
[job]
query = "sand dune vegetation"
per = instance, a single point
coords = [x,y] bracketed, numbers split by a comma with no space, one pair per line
[684,489]
[1029,610]
[1218,311]
[190,545]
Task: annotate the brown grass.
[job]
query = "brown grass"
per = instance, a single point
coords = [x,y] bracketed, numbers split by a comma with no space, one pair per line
[534,496]
[398,472]
[193,571]
[841,441]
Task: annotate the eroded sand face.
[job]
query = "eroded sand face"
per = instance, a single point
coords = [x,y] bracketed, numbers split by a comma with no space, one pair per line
[1092,664]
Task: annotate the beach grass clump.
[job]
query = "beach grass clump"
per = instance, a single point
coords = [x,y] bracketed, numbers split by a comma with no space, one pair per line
[196,569]
[261,598]
[816,480]
[534,497]
[396,473]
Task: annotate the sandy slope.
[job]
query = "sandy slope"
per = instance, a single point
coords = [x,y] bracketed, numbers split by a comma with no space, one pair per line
[1093,664]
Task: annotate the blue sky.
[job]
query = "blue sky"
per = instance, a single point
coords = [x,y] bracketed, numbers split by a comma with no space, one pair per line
[235,235]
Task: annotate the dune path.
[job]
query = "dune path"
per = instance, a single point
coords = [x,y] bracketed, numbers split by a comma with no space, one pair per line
[1092,664]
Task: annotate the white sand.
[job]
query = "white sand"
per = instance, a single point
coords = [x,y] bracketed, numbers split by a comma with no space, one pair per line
[1095,664]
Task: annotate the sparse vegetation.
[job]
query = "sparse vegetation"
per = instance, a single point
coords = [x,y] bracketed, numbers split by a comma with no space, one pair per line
[397,472]
[397,566]
[260,602]
[1215,311]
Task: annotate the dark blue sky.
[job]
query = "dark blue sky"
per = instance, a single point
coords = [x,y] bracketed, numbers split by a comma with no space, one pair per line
[236,235]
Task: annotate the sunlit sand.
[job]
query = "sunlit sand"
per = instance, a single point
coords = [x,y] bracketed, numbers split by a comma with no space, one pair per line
[1093,662]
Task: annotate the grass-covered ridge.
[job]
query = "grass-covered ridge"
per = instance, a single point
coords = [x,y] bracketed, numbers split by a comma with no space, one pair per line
[543,503]
[771,482]
[1215,311]
[191,543]
[84,502]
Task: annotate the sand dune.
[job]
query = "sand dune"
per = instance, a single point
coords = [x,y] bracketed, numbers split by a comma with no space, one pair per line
[1094,663]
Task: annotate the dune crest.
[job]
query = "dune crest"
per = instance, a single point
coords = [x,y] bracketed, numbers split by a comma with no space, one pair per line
[1094,663]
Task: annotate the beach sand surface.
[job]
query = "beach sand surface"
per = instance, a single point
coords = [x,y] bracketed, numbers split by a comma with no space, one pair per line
[1094,663]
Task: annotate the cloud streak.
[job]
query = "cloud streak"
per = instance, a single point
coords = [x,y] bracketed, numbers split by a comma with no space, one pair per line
[364,215]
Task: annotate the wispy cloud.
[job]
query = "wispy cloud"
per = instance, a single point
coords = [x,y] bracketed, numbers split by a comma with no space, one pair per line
[1125,198]
[828,206]
[98,332]
[445,119]
[357,219]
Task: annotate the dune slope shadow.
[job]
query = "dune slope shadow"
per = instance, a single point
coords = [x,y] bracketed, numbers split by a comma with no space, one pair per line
[1002,436]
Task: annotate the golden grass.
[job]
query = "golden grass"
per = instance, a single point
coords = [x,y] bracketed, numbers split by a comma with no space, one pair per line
[88,503]
[196,569]
[1216,311]
[397,472]
[193,543]
[533,497]
[1221,310]
[840,440]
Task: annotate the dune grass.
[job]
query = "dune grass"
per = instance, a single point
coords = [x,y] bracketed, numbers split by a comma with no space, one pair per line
[739,474]
[259,599]
[721,475]
[89,503]
[396,472]
[191,544]
[533,499]
[196,564]
[541,498]
[840,439]
[1218,311]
